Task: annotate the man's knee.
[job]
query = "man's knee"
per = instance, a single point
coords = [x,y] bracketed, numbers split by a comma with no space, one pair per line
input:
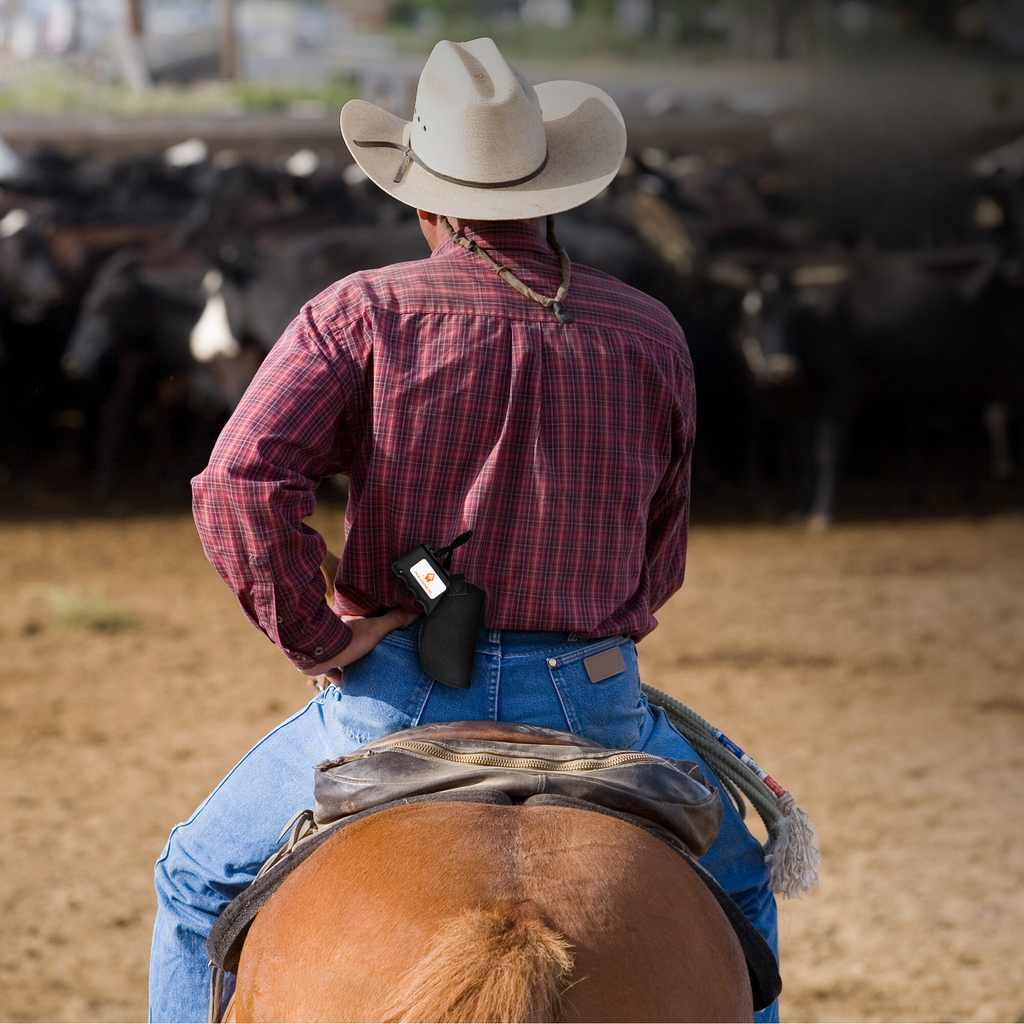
[184,884]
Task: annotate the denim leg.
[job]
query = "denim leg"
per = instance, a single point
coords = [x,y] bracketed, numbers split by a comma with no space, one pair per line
[735,859]
[214,855]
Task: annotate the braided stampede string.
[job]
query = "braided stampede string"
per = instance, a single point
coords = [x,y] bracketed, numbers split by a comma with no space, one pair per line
[555,304]
[791,852]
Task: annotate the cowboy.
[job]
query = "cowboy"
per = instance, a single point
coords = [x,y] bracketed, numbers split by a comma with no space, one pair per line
[493,388]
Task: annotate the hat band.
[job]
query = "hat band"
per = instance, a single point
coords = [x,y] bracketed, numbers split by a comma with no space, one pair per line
[410,156]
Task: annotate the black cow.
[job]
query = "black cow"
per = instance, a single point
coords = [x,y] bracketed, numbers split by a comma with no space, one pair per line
[998,217]
[267,284]
[832,334]
[130,354]
[36,303]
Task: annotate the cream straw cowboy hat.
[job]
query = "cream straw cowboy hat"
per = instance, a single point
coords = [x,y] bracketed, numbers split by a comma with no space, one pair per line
[483,144]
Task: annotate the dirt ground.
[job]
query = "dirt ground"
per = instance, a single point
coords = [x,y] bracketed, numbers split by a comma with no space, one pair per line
[877,671]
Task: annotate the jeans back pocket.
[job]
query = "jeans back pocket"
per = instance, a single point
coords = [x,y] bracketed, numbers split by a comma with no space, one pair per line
[609,711]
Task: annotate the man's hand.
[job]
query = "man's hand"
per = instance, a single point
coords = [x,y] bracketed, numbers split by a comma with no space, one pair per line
[366,632]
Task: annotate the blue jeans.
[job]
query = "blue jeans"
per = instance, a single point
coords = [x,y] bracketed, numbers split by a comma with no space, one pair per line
[537,678]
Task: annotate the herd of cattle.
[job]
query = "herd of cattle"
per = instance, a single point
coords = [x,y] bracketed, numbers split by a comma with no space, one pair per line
[137,299]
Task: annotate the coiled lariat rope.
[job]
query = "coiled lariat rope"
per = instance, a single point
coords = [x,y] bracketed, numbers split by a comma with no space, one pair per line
[791,852]
[555,303]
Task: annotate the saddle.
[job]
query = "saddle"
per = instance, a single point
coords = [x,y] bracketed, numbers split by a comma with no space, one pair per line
[503,763]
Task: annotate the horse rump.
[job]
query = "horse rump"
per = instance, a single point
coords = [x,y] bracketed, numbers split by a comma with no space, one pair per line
[464,911]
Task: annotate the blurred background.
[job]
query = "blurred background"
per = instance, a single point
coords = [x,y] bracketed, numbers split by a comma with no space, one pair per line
[828,195]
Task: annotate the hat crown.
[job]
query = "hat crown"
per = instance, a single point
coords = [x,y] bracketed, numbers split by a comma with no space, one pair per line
[477,118]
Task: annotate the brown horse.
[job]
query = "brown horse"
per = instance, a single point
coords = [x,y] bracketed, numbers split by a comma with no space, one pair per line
[480,912]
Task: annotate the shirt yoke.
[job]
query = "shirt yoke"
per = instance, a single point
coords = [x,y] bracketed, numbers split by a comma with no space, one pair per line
[462,285]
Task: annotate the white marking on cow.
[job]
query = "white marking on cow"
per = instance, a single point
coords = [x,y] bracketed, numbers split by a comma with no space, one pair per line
[211,336]
[14,221]
[302,163]
[353,174]
[186,154]
[10,162]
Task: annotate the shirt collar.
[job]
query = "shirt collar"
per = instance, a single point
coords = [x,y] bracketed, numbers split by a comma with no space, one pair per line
[500,236]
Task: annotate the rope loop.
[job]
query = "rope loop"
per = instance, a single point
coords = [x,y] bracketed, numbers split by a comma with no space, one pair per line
[791,852]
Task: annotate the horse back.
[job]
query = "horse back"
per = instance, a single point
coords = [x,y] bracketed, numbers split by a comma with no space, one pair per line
[463,911]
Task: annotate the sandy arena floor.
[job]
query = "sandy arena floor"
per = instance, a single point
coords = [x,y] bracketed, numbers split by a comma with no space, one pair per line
[877,671]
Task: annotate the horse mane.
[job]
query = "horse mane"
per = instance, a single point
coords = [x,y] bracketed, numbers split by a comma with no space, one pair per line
[502,965]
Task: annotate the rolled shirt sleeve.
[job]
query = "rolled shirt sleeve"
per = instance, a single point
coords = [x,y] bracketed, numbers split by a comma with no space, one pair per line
[668,520]
[250,502]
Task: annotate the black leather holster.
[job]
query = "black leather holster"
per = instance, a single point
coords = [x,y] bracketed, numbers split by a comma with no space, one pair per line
[448,633]
[452,610]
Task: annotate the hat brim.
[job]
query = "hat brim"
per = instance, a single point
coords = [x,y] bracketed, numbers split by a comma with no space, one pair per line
[586,140]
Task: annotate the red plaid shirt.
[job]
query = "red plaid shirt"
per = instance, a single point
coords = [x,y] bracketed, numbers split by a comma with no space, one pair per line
[454,403]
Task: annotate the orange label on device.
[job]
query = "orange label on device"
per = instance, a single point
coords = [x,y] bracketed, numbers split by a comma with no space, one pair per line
[425,576]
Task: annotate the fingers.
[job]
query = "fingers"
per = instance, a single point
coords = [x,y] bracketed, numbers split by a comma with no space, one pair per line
[367,633]
[393,618]
[396,618]
[329,568]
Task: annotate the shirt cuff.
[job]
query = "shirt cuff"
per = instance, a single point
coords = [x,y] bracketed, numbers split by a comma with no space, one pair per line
[318,662]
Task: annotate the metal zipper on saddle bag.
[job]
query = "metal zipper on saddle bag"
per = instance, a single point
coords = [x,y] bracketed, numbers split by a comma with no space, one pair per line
[494,760]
